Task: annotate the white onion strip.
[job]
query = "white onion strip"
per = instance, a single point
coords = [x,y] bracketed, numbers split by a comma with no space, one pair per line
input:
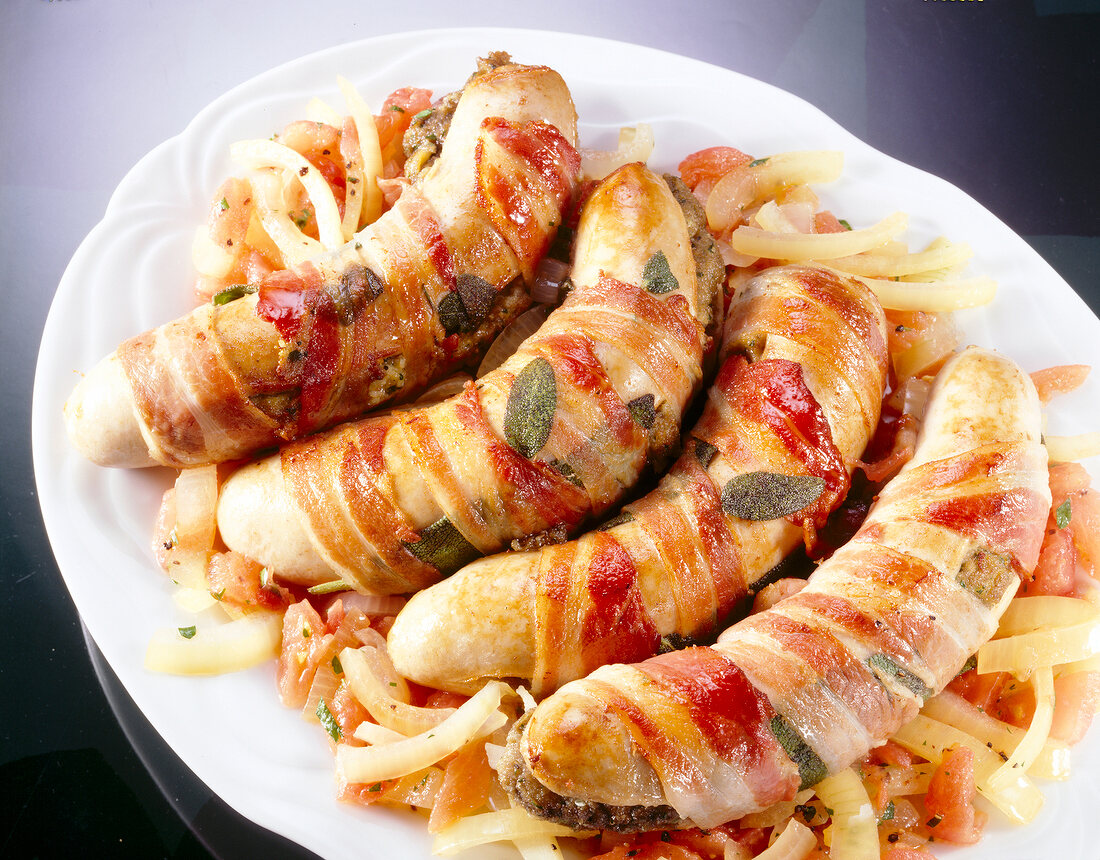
[386,710]
[216,649]
[369,149]
[948,295]
[294,245]
[258,154]
[794,843]
[1018,799]
[797,247]
[1031,745]
[853,833]
[1069,449]
[477,717]
[500,826]
[879,265]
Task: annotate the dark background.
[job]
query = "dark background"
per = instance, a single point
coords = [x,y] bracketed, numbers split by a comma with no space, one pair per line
[999,98]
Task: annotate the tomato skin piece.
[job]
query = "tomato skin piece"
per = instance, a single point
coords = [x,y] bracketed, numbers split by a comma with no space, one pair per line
[701,170]
[949,802]
[303,645]
[1076,699]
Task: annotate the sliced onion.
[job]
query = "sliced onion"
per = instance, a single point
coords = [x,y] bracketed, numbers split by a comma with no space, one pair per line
[1031,745]
[318,110]
[515,333]
[369,148]
[476,717]
[794,843]
[294,245]
[196,500]
[635,144]
[1019,799]
[729,198]
[797,247]
[937,256]
[808,167]
[443,389]
[501,826]
[1068,449]
[947,295]
[1048,647]
[208,257]
[258,154]
[373,733]
[853,833]
[216,649]
[1002,738]
[374,695]
[1043,611]
[549,276]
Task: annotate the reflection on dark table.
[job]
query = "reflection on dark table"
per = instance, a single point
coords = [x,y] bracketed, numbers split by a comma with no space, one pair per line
[998,98]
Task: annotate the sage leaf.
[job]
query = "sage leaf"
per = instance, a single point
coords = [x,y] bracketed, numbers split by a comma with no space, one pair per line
[770,495]
[444,547]
[529,414]
[657,275]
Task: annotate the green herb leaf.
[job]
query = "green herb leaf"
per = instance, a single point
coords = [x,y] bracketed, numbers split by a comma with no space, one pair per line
[443,546]
[328,721]
[423,115]
[642,411]
[188,632]
[223,204]
[888,812]
[337,666]
[529,413]
[844,224]
[883,665]
[329,587]
[810,766]
[657,275]
[770,495]
[704,452]
[1062,514]
[232,293]
[757,162]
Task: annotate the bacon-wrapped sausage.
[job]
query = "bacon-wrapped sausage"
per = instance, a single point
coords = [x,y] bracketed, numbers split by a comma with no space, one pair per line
[551,437]
[793,407]
[410,296]
[805,688]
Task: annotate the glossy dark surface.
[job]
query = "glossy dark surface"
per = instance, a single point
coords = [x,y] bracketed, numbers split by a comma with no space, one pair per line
[996,97]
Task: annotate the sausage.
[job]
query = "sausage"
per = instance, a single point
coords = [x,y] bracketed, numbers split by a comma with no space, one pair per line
[804,689]
[553,436]
[410,297]
[806,349]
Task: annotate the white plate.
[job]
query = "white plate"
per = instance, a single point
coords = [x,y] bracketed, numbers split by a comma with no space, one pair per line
[133,272]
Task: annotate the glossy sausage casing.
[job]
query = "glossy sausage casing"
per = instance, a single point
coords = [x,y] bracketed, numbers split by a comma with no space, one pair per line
[552,437]
[412,295]
[807,687]
[797,395]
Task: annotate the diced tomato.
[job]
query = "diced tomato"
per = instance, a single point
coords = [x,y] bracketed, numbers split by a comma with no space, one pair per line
[701,170]
[467,781]
[303,645]
[348,713]
[650,851]
[240,581]
[397,113]
[891,753]
[826,222]
[1076,700]
[949,802]
[1056,570]
[906,852]
[920,342]
[1052,381]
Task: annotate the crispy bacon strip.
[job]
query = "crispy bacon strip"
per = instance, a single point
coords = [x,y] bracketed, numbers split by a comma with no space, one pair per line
[408,299]
[797,396]
[547,440]
[832,671]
